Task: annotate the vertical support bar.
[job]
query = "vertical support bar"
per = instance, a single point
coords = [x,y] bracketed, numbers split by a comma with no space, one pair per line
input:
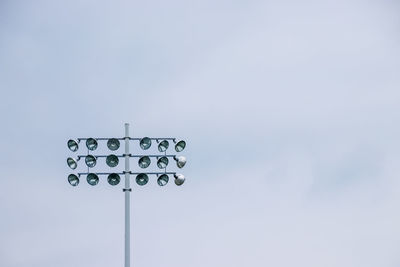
[127,191]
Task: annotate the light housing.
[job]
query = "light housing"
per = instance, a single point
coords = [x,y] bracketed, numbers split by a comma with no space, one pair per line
[113,144]
[142,179]
[145,143]
[179,179]
[73,180]
[91,144]
[162,180]
[180,161]
[163,146]
[73,145]
[112,160]
[92,179]
[180,146]
[144,162]
[90,161]
[113,179]
[162,162]
[72,163]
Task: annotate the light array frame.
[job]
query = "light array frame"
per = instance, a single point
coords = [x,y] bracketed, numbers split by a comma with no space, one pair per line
[90,153]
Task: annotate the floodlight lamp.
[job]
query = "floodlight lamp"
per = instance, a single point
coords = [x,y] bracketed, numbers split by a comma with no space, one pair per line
[142,179]
[112,160]
[72,163]
[180,161]
[91,144]
[145,143]
[73,180]
[163,146]
[162,162]
[92,179]
[163,180]
[90,161]
[179,179]
[180,146]
[113,179]
[144,162]
[72,145]
[113,144]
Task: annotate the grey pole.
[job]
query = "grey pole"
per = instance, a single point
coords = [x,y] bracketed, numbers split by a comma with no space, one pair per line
[127,191]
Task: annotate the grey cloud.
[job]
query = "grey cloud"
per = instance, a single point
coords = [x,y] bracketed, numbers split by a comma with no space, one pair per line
[290,111]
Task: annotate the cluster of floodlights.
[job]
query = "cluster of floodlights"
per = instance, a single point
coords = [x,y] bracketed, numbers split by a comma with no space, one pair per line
[112,161]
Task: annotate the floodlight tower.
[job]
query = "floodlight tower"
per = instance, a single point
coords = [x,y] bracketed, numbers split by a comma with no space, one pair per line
[112,160]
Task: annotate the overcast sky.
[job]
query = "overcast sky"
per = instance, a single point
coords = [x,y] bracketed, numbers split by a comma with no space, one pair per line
[291,112]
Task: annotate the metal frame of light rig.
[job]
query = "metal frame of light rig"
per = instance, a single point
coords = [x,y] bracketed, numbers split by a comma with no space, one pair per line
[113,160]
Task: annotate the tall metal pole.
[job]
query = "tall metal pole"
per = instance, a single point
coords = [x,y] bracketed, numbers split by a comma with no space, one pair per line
[127,191]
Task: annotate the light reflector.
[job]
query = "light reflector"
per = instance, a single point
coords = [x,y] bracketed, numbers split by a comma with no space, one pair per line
[73,180]
[112,160]
[163,146]
[113,179]
[72,145]
[179,179]
[180,161]
[92,179]
[145,143]
[90,161]
[113,144]
[91,144]
[162,162]
[72,163]
[144,162]
[163,180]
[180,146]
[142,179]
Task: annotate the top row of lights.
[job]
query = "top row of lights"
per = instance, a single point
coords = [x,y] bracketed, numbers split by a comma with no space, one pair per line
[114,144]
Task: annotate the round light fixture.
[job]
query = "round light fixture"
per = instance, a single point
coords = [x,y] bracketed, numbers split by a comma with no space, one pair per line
[180,146]
[162,162]
[92,179]
[145,143]
[163,180]
[73,180]
[144,162]
[113,144]
[179,179]
[163,146]
[90,161]
[113,179]
[112,160]
[91,144]
[72,163]
[72,145]
[142,179]
[180,161]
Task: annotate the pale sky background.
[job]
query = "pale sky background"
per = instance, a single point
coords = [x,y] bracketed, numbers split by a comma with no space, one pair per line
[291,111]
